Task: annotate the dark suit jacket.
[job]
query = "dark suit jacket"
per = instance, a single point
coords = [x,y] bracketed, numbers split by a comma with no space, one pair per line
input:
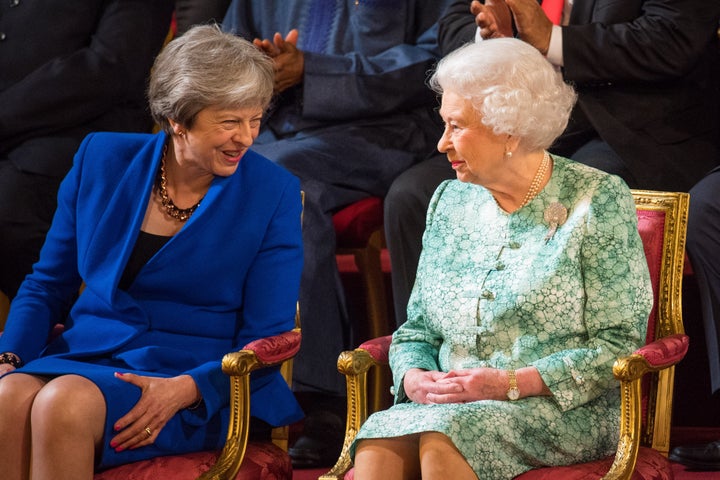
[646,78]
[71,67]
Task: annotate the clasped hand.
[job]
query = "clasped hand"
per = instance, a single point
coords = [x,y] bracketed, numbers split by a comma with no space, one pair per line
[495,19]
[455,386]
[288,60]
[161,398]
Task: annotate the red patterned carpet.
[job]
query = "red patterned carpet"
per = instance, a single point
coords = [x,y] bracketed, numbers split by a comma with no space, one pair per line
[311,474]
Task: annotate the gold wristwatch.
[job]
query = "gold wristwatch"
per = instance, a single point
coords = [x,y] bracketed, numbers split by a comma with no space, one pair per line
[513,392]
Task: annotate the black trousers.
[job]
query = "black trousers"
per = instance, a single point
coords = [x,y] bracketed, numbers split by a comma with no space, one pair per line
[703,245]
[27,205]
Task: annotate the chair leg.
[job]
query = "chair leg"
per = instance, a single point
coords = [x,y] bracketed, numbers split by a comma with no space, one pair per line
[370,268]
[368,263]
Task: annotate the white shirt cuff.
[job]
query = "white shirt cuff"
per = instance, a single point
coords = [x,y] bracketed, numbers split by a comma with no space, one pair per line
[555,52]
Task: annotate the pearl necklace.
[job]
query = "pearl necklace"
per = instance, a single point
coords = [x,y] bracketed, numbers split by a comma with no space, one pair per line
[535,184]
[181,214]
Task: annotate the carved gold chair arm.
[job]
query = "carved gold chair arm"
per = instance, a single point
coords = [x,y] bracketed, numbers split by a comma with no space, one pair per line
[355,365]
[659,357]
[266,352]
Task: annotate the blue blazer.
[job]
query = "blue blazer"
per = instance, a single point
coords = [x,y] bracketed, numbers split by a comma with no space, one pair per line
[230,276]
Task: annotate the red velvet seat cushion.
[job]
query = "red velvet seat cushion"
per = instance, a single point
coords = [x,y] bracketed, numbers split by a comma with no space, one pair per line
[263,461]
[355,223]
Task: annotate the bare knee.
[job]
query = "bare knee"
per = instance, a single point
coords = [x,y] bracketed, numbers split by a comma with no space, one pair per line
[19,384]
[440,458]
[388,458]
[69,403]
[17,393]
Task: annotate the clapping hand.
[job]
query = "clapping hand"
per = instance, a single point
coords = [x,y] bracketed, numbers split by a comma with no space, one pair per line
[533,26]
[289,61]
[493,18]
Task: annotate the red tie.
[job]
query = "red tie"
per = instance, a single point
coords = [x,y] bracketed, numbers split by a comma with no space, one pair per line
[553,9]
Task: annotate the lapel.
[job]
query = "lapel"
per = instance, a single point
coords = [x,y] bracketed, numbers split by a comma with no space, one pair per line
[116,228]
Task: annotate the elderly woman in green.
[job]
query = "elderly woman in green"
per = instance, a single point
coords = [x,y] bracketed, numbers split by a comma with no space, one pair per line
[532,281]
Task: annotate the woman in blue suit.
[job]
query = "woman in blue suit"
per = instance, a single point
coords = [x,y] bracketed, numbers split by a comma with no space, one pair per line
[189,245]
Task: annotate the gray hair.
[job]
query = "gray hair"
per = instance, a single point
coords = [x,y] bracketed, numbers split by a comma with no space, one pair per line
[515,90]
[207,67]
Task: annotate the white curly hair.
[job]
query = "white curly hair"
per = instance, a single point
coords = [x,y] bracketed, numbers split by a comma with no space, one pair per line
[513,88]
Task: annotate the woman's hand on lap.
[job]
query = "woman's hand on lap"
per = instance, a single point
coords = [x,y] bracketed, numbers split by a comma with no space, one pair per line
[161,398]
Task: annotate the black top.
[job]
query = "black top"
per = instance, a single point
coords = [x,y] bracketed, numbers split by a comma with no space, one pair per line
[146,246]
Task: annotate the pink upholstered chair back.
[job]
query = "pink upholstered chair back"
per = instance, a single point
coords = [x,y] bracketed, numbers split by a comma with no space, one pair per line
[662,220]
[651,226]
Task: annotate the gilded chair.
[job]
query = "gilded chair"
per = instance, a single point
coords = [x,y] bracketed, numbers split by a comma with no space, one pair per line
[646,377]
[359,232]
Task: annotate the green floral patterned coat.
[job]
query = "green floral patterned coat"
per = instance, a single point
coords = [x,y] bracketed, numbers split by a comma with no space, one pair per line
[507,291]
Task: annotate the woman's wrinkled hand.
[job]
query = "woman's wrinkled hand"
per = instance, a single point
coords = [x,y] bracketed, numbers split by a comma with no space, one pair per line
[456,386]
[420,384]
[475,384]
[161,398]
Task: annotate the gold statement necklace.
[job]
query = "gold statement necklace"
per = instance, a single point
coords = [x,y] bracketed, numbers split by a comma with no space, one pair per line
[535,184]
[180,214]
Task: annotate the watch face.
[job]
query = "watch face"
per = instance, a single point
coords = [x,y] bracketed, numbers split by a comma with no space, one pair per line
[513,394]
